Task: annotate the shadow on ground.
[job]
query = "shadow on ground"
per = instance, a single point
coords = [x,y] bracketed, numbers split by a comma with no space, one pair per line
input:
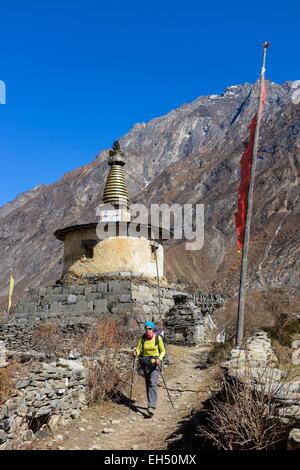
[122,399]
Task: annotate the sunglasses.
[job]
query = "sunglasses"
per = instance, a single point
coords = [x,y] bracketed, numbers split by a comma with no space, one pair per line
[148,328]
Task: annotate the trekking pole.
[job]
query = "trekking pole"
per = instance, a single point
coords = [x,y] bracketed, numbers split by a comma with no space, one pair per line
[131,385]
[160,370]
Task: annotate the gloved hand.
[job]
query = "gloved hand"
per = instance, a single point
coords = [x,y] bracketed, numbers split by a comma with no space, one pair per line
[158,362]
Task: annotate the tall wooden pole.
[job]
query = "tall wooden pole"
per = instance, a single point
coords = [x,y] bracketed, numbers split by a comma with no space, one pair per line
[244,264]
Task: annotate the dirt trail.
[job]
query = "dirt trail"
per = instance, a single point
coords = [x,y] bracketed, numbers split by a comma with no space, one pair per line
[108,425]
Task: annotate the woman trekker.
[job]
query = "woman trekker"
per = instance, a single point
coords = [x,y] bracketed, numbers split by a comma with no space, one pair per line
[150,351]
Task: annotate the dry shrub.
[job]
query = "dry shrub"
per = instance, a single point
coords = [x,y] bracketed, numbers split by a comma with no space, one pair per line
[265,310]
[48,339]
[109,371]
[108,377]
[283,353]
[8,376]
[108,332]
[7,385]
[244,417]
[105,333]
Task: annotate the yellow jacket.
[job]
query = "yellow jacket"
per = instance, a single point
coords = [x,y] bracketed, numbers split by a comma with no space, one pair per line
[150,349]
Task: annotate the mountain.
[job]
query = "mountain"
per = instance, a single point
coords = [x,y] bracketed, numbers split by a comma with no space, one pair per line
[190,155]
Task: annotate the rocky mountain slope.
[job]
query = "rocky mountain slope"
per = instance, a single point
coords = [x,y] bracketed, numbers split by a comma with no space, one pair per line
[190,155]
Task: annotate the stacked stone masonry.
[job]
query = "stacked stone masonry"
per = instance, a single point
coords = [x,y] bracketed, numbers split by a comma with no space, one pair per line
[49,394]
[189,321]
[258,366]
[81,302]
[74,306]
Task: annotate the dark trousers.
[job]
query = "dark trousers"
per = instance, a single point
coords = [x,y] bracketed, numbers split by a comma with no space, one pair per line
[151,374]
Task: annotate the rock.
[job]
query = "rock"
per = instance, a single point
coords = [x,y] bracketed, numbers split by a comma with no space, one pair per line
[115,421]
[42,433]
[43,411]
[296,344]
[74,354]
[82,397]
[257,360]
[50,369]
[292,412]
[135,447]
[168,360]
[72,299]
[3,436]
[294,439]
[54,421]
[71,364]
[107,430]
[22,383]
[3,353]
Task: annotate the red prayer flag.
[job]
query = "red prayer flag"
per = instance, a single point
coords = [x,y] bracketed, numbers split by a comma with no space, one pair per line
[246,162]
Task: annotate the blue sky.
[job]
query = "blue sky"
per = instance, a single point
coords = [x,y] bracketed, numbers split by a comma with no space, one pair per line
[80,73]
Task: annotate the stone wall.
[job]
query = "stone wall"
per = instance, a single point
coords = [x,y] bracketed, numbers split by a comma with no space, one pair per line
[49,394]
[189,321]
[79,302]
[2,354]
[258,366]
[74,306]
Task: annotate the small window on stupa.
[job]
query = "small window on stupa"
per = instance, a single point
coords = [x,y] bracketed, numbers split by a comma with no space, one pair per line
[88,247]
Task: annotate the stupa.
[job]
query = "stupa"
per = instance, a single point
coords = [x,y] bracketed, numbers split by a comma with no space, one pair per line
[111,265]
[114,245]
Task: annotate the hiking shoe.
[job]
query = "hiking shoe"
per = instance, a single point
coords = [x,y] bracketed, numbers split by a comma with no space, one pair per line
[151,412]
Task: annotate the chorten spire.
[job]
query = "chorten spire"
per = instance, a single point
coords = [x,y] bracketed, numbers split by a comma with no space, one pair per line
[115,191]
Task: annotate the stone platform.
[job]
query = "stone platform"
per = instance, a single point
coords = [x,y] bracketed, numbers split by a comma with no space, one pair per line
[73,306]
[76,306]
[73,303]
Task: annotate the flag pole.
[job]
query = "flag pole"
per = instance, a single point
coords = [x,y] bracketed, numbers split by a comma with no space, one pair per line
[244,263]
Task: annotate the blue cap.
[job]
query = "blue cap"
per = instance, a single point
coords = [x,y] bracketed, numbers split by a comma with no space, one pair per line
[150,324]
